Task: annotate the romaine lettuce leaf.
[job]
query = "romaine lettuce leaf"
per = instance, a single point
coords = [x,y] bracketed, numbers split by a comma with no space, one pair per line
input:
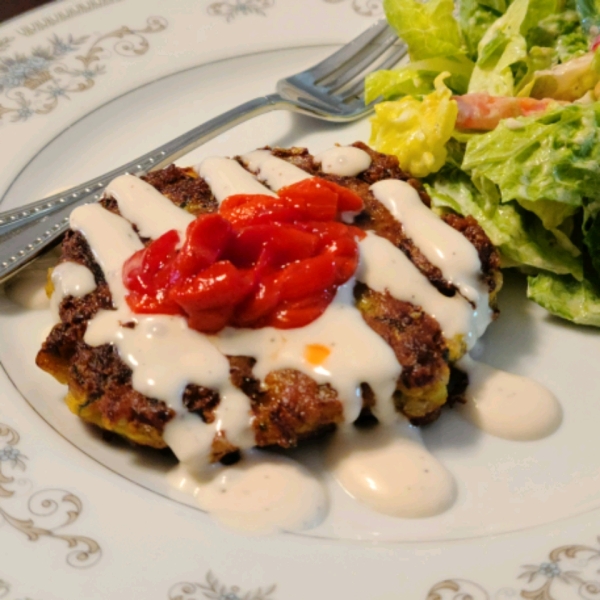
[563,296]
[568,81]
[552,157]
[416,131]
[504,46]
[428,28]
[417,78]
[562,32]
[475,17]
[519,236]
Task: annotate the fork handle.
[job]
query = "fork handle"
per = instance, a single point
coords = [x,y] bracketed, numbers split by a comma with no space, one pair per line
[151,161]
[27,231]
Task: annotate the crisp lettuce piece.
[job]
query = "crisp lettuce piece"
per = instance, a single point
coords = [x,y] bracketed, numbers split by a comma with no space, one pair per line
[539,59]
[475,17]
[563,296]
[561,32]
[552,157]
[428,28]
[568,81]
[552,214]
[416,131]
[417,78]
[504,46]
[435,45]
[520,237]
[390,85]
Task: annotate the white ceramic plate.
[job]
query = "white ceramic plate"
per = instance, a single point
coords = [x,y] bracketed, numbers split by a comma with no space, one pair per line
[87,85]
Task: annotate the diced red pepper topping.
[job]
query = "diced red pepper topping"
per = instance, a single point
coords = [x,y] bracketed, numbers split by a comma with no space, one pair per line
[260,261]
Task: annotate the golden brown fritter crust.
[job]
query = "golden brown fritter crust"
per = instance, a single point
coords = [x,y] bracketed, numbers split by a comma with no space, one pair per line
[184,188]
[287,406]
[420,348]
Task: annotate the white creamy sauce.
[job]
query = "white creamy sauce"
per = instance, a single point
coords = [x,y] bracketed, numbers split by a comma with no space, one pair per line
[506,405]
[227,177]
[441,244]
[70,279]
[273,171]
[390,470]
[131,192]
[28,287]
[341,330]
[344,161]
[386,467]
[149,347]
[263,493]
[380,258]
[112,241]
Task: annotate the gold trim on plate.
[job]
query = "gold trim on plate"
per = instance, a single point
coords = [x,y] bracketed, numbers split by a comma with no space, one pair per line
[214,590]
[49,510]
[35,83]
[230,10]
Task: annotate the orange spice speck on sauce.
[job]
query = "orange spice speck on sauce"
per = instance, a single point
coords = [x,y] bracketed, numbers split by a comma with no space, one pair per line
[316,354]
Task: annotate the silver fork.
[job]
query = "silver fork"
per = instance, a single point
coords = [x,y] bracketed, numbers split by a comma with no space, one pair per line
[332,90]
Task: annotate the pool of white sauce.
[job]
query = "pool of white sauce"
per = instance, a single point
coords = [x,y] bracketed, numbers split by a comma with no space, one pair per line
[386,467]
[263,493]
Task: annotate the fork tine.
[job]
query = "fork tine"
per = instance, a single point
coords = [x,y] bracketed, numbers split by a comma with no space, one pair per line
[343,55]
[367,58]
[358,88]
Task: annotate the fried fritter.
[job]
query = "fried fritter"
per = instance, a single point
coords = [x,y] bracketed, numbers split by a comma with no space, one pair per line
[288,406]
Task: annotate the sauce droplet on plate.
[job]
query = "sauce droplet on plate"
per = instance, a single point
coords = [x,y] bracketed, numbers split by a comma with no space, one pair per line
[389,469]
[506,405]
[263,493]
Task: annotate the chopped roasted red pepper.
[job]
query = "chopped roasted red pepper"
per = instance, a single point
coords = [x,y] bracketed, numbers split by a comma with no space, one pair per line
[260,261]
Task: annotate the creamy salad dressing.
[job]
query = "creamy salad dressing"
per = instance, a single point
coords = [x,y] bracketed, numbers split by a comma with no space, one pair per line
[226,177]
[345,161]
[70,279]
[130,191]
[388,468]
[341,330]
[273,171]
[263,493]
[506,405]
[149,346]
[441,244]
[379,258]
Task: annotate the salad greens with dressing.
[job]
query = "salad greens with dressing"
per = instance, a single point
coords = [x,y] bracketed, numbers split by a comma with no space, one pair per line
[498,110]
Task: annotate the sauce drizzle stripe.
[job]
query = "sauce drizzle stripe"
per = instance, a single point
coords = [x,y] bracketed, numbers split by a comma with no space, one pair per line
[441,244]
[344,161]
[130,192]
[273,171]
[227,177]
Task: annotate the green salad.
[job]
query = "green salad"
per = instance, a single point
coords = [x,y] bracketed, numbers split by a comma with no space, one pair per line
[498,111]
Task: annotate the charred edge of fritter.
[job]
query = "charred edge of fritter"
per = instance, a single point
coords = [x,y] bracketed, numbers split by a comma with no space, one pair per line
[184,188]
[76,249]
[457,386]
[419,346]
[487,252]
[100,392]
